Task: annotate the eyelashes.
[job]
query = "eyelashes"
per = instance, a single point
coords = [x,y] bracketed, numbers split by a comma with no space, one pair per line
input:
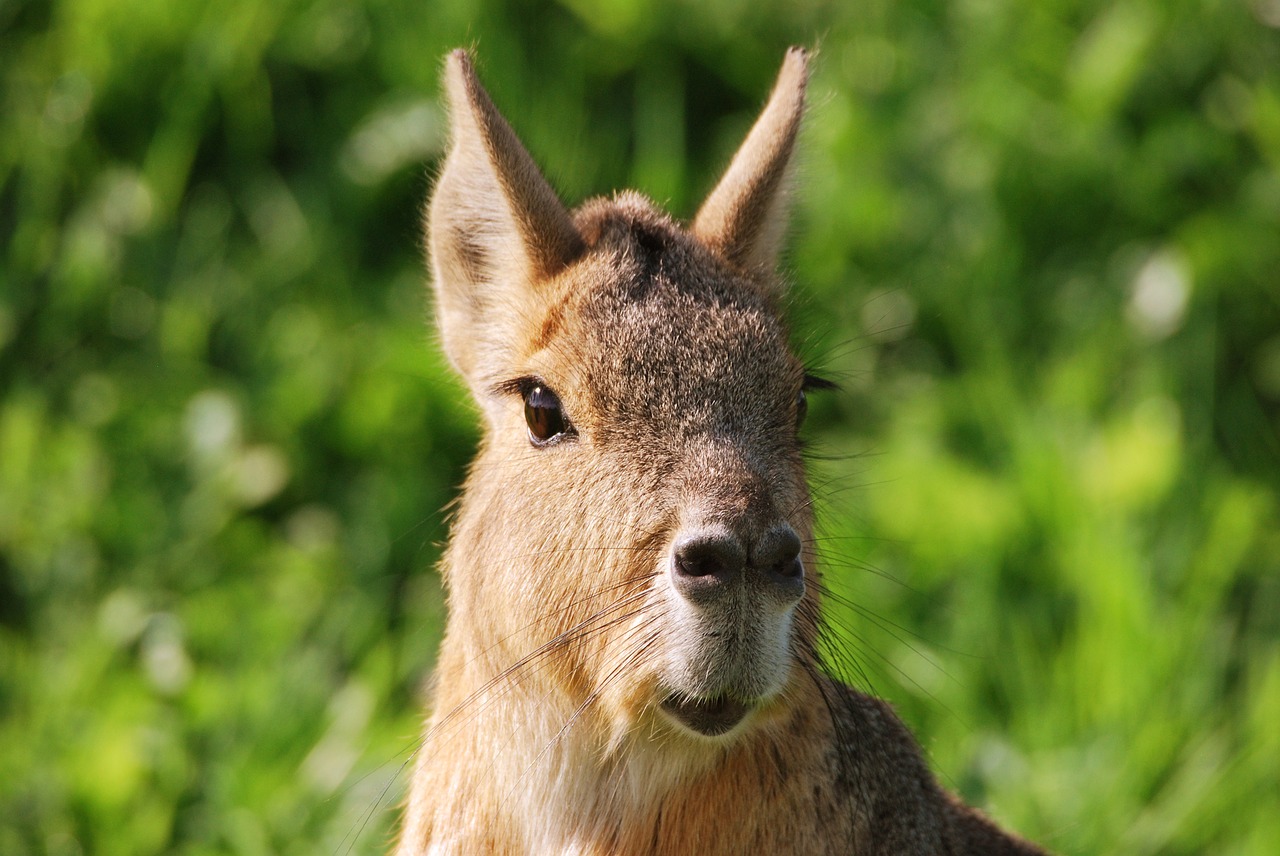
[813,382]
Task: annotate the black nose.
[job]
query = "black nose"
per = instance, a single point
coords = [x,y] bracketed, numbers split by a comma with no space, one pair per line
[709,561]
[709,558]
[778,554]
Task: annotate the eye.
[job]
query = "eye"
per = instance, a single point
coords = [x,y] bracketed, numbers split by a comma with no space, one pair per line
[544,415]
[810,381]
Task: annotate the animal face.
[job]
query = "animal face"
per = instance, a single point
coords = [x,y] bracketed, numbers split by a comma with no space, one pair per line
[638,512]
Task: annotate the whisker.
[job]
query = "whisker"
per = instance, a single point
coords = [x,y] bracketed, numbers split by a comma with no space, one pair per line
[845,562]
[591,697]
[837,644]
[372,811]
[890,626]
[554,644]
[566,637]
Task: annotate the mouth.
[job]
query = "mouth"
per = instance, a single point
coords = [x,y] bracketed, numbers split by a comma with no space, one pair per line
[709,717]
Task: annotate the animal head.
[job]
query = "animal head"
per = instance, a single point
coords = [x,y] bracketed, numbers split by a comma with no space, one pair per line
[633,536]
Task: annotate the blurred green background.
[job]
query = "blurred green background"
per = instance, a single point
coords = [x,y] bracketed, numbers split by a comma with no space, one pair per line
[1037,244]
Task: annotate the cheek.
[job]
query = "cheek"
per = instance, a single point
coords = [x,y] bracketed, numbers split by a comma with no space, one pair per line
[592,544]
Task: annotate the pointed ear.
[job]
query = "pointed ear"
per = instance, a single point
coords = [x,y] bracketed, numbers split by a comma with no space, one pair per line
[745,217]
[495,230]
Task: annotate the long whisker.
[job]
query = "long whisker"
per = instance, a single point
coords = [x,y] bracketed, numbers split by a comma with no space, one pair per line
[837,645]
[568,636]
[551,645]
[626,662]
[372,811]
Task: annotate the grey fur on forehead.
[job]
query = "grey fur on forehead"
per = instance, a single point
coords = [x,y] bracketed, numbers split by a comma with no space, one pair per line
[631,225]
[646,256]
[672,330]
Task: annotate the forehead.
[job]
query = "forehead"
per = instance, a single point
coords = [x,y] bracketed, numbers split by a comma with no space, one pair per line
[666,331]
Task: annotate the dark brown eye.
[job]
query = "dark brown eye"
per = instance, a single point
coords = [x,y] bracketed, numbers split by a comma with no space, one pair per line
[543,414]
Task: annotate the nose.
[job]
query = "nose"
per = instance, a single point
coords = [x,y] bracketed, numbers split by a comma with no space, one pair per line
[710,561]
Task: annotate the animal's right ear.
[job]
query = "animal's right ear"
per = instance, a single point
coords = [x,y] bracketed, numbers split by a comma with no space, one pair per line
[745,217]
[495,231]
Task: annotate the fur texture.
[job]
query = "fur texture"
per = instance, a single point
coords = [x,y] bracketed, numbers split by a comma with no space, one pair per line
[629,664]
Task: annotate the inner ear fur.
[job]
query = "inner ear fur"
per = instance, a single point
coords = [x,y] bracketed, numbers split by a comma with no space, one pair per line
[495,231]
[744,218]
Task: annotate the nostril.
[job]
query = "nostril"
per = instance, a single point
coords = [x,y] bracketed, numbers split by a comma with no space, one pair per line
[789,568]
[697,563]
[703,562]
[778,556]
[709,555]
[779,551]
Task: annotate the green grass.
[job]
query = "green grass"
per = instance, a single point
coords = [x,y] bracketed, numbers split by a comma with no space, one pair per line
[1035,243]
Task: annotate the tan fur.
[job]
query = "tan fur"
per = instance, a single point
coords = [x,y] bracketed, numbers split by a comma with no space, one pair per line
[582,623]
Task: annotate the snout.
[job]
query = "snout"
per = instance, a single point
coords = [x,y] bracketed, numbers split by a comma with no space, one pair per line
[714,563]
[733,588]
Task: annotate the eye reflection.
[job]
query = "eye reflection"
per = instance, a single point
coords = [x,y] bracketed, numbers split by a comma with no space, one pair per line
[543,414]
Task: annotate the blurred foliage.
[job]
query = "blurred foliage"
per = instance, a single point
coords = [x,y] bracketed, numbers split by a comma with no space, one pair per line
[1037,244]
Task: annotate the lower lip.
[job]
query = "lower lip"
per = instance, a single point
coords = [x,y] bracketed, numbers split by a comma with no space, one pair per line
[710,718]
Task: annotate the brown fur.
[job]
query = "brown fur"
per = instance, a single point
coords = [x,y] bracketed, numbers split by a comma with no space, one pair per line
[569,639]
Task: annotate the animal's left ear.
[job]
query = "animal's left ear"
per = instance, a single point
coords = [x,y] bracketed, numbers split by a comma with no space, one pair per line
[745,217]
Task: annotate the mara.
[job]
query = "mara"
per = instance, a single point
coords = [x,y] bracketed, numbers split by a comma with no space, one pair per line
[630,659]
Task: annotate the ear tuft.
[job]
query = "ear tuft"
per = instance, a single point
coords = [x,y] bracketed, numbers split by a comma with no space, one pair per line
[744,219]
